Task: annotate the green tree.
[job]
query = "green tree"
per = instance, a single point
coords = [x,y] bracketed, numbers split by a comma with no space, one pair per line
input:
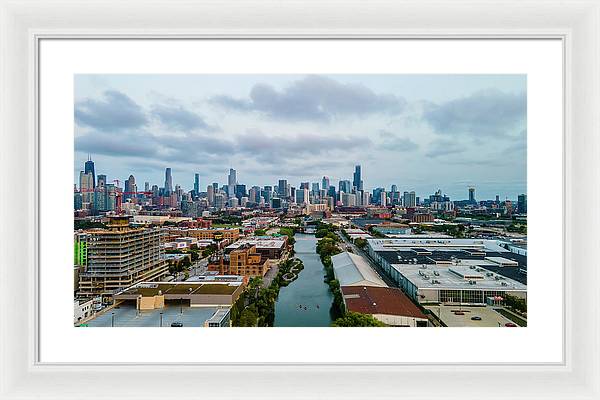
[352,319]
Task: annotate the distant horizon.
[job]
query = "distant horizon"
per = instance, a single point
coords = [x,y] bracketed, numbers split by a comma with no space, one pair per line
[419,132]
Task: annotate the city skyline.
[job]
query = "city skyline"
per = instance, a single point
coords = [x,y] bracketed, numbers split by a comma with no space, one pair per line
[470,191]
[419,132]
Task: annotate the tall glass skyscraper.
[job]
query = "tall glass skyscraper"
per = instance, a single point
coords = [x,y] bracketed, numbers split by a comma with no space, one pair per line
[168,182]
[357,181]
[197,184]
[89,169]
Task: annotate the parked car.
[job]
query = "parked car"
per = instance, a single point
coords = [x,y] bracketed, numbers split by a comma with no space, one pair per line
[459,313]
[475,318]
[510,325]
[177,324]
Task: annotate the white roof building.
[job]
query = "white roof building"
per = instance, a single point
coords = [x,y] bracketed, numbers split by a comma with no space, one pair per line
[353,270]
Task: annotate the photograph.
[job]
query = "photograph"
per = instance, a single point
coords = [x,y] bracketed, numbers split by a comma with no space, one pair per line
[300,200]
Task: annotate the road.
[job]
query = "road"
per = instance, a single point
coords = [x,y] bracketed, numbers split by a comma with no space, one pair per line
[197,268]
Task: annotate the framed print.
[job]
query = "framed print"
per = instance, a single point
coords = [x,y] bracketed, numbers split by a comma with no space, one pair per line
[308,185]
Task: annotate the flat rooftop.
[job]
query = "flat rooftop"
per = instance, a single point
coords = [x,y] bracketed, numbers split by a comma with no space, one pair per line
[489,317]
[180,288]
[126,315]
[456,277]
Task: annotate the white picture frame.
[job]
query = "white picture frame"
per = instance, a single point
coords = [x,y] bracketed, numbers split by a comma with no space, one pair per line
[24,23]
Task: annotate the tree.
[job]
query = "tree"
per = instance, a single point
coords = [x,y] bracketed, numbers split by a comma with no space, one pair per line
[360,243]
[352,319]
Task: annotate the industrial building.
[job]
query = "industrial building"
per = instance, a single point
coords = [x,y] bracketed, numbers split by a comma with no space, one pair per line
[353,270]
[267,246]
[453,271]
[388,305]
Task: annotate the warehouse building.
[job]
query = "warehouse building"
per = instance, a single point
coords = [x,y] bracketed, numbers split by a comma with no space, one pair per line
[353,270]
[452,271]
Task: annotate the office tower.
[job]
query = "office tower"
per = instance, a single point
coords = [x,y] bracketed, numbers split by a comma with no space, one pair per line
[383,198]
[377,195]
[215,186]
[472,195]
[233,202]
[231,182]
[267,193]
[522,204]
[130,188]
[348,199]
[240,191]
[303,196]
[291,193]
[357,182]
[219,202]
[146,187]
[210,194]
[100,194]
[86,186]
[345,186]
[113,198]
[155,190]
[304,185]
[196,184]
[325,183]
[497,199]
[409,199]
[168,182]
[394,189]
[365,198]
[257,195]
[138,258]
[282,188]
[331,193]
[77,201]
[315,188]
[89,169]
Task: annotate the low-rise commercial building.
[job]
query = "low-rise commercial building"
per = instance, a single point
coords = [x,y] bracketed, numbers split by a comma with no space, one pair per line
[388,305]
[452,271]
[353,270]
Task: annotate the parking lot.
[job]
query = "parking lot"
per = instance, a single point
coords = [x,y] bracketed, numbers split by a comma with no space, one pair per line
[126,315]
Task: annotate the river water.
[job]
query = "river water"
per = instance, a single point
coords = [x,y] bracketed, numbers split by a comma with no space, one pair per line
[309,290]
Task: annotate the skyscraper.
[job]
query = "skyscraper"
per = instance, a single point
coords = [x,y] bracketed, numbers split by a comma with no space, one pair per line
[282,188]
[472,195]
[522,204]
[357,182]
[410,199]
[130,188]
[210,194]
[86,186]
[325,183]
[196,184]
[168,182]
[231,182]
[89,169]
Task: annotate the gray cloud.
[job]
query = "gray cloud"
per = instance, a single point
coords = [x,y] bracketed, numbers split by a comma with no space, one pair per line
[114,112]
[179,118]
[394,142]
[315,98]
[485,113]
[440,148]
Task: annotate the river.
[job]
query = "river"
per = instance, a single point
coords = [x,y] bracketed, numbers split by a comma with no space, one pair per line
[309,290]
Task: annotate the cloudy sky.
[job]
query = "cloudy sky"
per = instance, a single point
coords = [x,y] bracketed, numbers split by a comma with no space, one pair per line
[420,132]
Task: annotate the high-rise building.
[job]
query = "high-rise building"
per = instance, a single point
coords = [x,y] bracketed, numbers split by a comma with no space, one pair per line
[325,183]
[130,188]
[383,198]
[282,188]
[409,199]
[196,184]
[315,188]
[345,186]
[303,196]
[89,169]
[522,204]
[86,186]
[168,182]
[215,186]
[240,191]
[365,198]
[472,195]
[348,199]
[394,188]
[146,187]
[210,194]
[357,182]
[231,182]
[121,256]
